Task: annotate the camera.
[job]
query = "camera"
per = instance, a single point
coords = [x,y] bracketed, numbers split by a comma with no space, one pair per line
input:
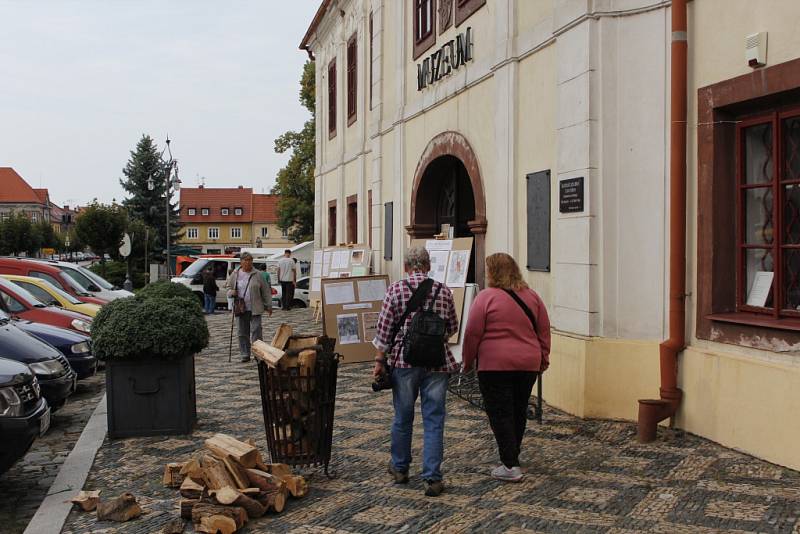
[384,380]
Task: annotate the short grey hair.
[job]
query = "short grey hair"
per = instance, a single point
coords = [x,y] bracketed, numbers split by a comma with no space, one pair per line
[417,259]
[245,256]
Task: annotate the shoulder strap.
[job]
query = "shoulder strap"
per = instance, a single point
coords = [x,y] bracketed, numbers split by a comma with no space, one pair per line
[435,296]
[525,308]
[246,289]
[416,300]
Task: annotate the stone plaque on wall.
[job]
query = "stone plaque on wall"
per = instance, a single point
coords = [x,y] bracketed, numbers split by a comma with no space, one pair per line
[538,211]
[571,195]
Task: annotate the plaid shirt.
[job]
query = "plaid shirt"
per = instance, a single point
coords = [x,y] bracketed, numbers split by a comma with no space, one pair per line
[394,305]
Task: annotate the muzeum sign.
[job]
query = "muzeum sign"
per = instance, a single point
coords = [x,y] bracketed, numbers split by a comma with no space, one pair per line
[452,55]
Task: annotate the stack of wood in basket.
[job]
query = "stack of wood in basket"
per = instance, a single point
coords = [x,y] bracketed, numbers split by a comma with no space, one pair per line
[227,483]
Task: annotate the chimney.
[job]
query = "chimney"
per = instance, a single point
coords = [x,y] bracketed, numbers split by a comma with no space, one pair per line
[198,187]
[241,187]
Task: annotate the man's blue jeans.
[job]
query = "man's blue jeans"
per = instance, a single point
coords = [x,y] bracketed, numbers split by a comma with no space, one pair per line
[432,389]
[209,302]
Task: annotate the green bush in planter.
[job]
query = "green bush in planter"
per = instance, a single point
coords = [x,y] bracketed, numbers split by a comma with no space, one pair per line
[168,290]
[140,328]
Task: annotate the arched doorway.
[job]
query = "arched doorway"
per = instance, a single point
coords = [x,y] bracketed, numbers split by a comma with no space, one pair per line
[448,190]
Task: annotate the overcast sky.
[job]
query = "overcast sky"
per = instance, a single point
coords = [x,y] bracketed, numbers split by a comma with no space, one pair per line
[82,80]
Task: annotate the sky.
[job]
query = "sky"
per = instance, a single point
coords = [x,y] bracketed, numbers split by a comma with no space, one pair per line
[82,80]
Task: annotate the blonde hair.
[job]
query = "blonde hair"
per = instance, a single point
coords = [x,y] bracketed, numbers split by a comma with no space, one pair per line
[503,272]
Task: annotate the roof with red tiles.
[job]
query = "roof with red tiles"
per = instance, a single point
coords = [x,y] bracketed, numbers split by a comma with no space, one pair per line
[44,195]
[215,199]
[265,208]
[14,189]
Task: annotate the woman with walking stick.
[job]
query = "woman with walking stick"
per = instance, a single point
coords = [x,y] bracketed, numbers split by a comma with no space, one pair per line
[252,297]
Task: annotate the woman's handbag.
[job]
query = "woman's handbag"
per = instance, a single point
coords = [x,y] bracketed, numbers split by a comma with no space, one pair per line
[239,303]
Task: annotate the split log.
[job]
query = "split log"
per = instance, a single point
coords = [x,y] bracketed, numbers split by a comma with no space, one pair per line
[175,526]
[229,496]
[298,343]
[238,472]
[276,500]
[279,470]
[191,489]
[281,337]
[307,361]
[296,485]
[216,474]
[186,507]
[172,475]
[122,508]
[223,445]
[87,500]
[193,470]
[263,480]
[216,524]
[203,510]
[266,353]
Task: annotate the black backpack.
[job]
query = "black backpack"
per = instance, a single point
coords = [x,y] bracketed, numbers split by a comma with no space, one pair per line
[424,340]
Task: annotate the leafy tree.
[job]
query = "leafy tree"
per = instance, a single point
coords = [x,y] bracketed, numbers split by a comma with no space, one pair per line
[150,207]
[17,235]
[101,228]
[43,231]
[295,182]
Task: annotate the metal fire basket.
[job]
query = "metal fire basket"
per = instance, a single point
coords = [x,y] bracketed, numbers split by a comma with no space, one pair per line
[298,408]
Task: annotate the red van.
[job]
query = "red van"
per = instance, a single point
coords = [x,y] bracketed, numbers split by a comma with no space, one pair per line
[17,302]
[51,273]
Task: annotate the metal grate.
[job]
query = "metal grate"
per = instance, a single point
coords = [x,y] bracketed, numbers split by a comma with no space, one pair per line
[466,387]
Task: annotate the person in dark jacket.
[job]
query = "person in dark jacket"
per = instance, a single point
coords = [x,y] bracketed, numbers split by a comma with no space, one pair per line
[209,291]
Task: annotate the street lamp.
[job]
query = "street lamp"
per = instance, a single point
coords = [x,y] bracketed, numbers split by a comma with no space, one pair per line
[170,182]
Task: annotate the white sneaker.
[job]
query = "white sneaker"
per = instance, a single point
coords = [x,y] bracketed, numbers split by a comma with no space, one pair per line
[509,475]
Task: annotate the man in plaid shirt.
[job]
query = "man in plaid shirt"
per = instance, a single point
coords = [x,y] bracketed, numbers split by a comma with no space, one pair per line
[409,382]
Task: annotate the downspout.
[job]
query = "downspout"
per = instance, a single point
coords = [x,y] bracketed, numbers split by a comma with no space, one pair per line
[653,411]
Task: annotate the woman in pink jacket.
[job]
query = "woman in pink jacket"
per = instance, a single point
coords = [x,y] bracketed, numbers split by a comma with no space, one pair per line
[508,340]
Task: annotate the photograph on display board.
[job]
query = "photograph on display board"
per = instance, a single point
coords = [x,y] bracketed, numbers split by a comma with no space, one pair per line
[347,326]
[370,320]
[371,290]
[339,293]
[357,257]
[457,268]
[438,264]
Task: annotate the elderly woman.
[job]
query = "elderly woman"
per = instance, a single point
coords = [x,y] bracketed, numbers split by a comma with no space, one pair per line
[508,339]
[246,285]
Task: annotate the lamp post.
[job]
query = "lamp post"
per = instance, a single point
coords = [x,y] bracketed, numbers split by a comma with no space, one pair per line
[172,165]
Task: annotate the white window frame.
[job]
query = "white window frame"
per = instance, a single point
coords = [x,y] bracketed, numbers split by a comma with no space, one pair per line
[213,232]
[236,232]
[204,211]
[192,211]
[285,232]
[264,231]
[34,217]
[192,232]
[223,211]
[237,211]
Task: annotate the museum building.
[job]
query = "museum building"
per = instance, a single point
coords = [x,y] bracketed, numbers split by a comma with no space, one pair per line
[544,129]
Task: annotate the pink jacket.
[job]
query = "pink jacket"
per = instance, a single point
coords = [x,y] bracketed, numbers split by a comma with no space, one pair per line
[499,334]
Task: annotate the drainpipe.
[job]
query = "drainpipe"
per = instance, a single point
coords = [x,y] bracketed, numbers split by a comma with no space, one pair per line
[653,411]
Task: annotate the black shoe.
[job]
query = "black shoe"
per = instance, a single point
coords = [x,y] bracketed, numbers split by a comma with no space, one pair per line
[244,360]
[399,476]
[433,488]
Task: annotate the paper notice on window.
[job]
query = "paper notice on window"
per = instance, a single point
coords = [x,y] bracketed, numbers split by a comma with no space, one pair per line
[438,265]
[340,260]
[316,283]
[439,244]
[371,290]
[759,291]
[339,293]
[457,268]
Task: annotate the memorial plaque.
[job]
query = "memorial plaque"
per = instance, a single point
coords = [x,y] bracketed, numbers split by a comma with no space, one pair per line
[538,206]
[570,195]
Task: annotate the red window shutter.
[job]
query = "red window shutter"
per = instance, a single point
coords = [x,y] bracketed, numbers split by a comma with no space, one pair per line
[332,98]
[352,80]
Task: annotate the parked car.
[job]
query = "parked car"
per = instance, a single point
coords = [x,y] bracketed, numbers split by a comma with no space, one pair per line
[92,283]
[76,347]
[24,414]
[220,266]
[300,294]
[18,302]
[50,366]
[49,294]
[49,271]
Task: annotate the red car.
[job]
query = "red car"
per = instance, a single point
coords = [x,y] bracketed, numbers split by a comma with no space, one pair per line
[18,302]
[51,273]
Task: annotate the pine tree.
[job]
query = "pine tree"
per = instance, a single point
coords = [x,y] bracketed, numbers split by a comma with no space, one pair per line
[150,207]
[295,182]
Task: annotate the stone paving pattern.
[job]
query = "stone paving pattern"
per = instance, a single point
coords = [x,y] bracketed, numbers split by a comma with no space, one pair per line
[25,485]
[582,475]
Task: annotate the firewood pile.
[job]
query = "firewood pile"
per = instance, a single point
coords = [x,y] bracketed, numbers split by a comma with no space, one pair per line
[228,483]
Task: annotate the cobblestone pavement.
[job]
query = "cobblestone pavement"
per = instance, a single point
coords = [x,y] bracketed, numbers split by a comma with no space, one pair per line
[583,476]
[25,485]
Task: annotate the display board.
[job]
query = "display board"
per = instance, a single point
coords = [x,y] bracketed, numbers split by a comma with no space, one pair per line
[449,265]
[470,292]
[350,309]
[338,262]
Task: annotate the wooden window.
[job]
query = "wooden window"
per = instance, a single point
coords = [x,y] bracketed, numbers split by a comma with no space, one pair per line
[352,219]
[424,24]
[191,233]
[332,99]
[465,9]
[352,79]
[213,233]
[332,223]
[371,36]
[204,211]
[192,211]
[768,222]
[236,232]
[264,231]
[369,218]
[223,211]
[238,211]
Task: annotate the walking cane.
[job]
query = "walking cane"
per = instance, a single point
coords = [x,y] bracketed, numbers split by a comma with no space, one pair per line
[230,343]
